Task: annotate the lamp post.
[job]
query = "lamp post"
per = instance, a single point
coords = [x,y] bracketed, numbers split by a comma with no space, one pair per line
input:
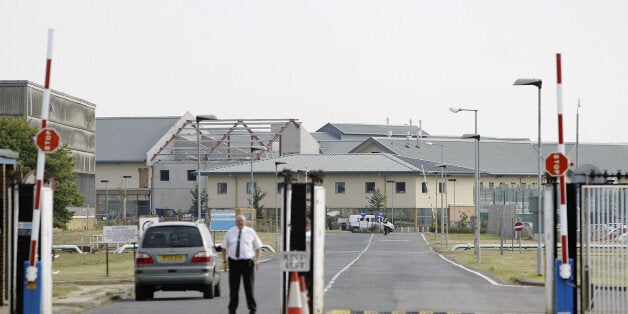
[277,163]
[392,200]
[252,187]
[106,182]
[198,161]
[538,83]
[475,136]
[443,190]
[124,199]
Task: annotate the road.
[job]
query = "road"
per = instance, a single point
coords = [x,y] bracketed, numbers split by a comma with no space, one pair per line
[370,272]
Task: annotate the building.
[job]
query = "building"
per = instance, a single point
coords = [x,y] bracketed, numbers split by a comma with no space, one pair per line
[73,118]
[150,163]
[8,159]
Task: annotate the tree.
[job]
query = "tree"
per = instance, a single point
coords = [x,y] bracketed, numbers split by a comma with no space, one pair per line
[376,202]
[204,198]
[258,196]
[16,134]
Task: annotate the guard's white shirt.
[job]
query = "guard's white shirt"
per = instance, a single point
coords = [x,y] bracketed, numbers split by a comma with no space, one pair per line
[249,243]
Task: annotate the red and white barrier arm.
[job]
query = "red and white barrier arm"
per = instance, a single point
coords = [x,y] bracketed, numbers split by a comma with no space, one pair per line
[565,268]
[31,271]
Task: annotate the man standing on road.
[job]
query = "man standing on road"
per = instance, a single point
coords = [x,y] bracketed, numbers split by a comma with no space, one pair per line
[243,247]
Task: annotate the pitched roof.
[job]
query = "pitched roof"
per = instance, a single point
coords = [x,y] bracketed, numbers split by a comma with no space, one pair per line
[344,130]
[339,163]
[127,139]
[610,157]
[510,157]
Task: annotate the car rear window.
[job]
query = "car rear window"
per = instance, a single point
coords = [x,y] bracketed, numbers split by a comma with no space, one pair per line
[172,236]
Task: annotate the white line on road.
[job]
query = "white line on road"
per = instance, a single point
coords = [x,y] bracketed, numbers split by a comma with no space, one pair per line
[491,281]
[333,279]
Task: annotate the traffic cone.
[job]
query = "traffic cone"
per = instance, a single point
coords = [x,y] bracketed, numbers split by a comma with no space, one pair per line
[306,307]
[294,296]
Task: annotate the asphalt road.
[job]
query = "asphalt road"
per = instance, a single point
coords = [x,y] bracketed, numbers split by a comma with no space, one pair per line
[366,272]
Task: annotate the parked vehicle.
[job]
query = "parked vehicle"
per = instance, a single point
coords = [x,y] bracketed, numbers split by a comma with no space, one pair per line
[176,256]
[357,222]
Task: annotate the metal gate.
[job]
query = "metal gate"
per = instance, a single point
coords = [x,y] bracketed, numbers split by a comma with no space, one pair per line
[604,248]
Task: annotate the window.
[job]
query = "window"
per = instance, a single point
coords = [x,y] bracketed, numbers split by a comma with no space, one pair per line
[423,187]
[441,187]
[250,188]
[369,187]
[491,185]
[191,175]
[164,175]
[222,188]
[400,187]
[340,187]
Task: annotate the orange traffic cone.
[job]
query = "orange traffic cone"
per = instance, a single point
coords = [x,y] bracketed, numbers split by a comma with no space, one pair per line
[306,307]
[294,296]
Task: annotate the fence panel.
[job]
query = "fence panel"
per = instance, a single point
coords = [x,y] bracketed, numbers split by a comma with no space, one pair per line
[604,248]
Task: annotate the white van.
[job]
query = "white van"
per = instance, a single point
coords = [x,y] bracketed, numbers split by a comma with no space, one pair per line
[357,222]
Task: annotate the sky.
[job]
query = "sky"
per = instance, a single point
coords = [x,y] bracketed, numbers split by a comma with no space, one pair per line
[322,61]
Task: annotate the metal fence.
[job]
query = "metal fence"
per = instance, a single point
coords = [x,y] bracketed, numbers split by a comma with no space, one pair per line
[604,248]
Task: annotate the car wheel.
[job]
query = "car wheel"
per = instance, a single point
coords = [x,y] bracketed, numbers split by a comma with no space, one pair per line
[208,293]
[140,293]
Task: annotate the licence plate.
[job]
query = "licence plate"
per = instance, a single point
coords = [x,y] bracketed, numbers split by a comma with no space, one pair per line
[172,258]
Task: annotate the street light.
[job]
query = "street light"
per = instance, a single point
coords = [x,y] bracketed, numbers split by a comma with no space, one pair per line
[106,181]
[252,187]
[392,200]
[443,204]
[124,200]
[475,136]
[277,163]
[538,83]
[198,160]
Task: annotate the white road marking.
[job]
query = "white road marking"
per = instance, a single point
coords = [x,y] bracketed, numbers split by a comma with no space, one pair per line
[333,279]
[491,281]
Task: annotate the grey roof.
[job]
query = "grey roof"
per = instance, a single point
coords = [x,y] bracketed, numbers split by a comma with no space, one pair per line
[496,156]
[127,139]
[339,163]
[338,146]
[8,157]
[344,130]
[610,157]
[436,167]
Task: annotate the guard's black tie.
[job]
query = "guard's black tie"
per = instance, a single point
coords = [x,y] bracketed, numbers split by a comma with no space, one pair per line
[238,245]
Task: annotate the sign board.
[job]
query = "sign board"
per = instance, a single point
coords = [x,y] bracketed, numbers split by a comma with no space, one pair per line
[47,140]
[147,221]
[518,226]
[296,261]
[556,164]
[119,234]
[222,220]
[363,214]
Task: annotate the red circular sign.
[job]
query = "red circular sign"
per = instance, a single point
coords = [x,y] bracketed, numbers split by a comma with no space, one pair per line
[518,226]
[556,164]
[47,140]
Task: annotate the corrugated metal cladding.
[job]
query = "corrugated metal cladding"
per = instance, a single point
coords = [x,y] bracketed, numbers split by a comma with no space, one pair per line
[12,99]
[87,186]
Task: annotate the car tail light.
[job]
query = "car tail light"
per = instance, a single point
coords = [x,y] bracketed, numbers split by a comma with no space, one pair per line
[201,257]
[143,258]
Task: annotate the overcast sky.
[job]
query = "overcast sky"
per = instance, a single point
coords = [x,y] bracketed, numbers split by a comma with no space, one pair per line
[360,61]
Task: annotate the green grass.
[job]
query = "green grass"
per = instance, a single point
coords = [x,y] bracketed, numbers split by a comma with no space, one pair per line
[510,266]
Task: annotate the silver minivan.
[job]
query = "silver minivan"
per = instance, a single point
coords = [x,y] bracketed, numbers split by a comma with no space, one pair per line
[176,256]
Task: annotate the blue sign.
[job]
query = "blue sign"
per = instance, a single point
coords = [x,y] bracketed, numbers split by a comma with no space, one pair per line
[381,214]
[222,220]
[363,214]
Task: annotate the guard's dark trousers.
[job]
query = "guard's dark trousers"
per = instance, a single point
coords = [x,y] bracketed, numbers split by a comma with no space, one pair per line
[241,269]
